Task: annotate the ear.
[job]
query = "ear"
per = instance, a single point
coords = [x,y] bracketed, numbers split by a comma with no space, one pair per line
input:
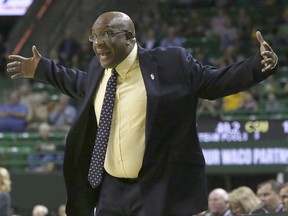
[130,38]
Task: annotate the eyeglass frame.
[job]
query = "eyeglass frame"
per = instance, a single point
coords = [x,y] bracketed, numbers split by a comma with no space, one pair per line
[104,36]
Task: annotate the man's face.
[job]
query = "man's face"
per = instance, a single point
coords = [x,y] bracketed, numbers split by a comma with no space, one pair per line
[114,49]
[217,204]
[269,197]
[284,197]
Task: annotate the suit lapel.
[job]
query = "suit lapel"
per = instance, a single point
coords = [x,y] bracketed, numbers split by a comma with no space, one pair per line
[149,72]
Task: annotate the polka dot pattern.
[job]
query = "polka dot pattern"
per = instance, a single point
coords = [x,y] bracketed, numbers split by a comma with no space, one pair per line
[98,156]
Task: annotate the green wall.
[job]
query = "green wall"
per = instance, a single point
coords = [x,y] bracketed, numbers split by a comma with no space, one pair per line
[29,189]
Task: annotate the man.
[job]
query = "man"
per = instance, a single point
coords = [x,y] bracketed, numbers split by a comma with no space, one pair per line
[268,193]
[218,204]
[154,165]
[284,196]
[13,114]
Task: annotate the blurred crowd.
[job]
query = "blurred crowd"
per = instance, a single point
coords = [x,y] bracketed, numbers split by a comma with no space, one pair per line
[271,196]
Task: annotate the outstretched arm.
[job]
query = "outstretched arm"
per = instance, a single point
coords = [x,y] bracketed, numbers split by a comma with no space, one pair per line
[22,66]
[270,59]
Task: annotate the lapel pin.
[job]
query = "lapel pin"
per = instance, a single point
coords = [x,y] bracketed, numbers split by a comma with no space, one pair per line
[152,76]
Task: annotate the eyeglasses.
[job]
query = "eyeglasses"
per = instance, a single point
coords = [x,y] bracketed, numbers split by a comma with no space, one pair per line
[104,36]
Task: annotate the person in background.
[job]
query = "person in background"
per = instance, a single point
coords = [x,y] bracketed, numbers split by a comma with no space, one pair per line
[40,210]
[153,163]
[13,115]
[218,204]
[5,188]
[268,193]
[45,158]
[63,114]
[284,196]
[243,200]
[61,210]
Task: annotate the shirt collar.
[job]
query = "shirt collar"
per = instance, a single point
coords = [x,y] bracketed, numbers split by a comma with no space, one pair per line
[127,63]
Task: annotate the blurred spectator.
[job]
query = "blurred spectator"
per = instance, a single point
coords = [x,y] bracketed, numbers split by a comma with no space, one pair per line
[86,52]
[218,21]
[268,193]
[38,113]
[218,204]
[45,158]
[150,40]
[67,48]
[5,188]
[207,108]
[171,39]
[229,57]
[284,196]
[272,104]
[13,115]
[63,114]
[229,34]
[249,102]
[233,102]
[26,93]
[61,210]
[53,55]
[244,26]
[40,210]
[270,85]
[243,201]
[195,24]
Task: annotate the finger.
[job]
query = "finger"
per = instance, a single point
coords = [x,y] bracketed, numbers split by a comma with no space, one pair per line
[268,67]
[267,47]
[36,53]
[16,58]
[13,64]
[14,69]
[15,76]
[259,37]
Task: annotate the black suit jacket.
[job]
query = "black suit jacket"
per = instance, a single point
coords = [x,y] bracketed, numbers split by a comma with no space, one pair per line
[172,177]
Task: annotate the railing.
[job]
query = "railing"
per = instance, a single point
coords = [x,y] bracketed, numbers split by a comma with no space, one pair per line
[19,151]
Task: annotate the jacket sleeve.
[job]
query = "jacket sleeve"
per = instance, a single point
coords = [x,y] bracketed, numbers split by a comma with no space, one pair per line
[212,83]
[68,81]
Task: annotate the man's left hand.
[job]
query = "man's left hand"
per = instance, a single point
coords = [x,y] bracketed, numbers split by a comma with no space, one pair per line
[270,59]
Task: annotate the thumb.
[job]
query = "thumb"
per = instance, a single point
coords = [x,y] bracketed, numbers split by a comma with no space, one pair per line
[259,37]
[35,52]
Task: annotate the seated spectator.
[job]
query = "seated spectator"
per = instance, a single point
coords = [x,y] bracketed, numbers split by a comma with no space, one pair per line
[284,196]
[243,201]
[268,193]
[272,105]
[40,210]
[38,113]
[233,102]
[249,102]
[13,115]
[218,204]
[207,108]
[63,114]
[150,40]
[171,39]
[44,157]
[5,187]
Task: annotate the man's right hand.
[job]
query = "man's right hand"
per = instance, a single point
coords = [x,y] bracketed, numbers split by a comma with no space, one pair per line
[24,67]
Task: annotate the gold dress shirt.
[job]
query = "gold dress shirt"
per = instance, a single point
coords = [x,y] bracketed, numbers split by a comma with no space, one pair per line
[126,144]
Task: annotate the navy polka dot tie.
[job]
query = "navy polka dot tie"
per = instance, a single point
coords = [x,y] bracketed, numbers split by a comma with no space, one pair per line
[98,156]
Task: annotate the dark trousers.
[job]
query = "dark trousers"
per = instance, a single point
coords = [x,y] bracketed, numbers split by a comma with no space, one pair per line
[120,197]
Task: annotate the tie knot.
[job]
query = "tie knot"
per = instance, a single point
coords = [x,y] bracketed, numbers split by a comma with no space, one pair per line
[114,72]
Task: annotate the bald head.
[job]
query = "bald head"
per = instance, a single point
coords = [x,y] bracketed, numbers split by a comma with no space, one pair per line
[218,201]
[116,19]
[113,37]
